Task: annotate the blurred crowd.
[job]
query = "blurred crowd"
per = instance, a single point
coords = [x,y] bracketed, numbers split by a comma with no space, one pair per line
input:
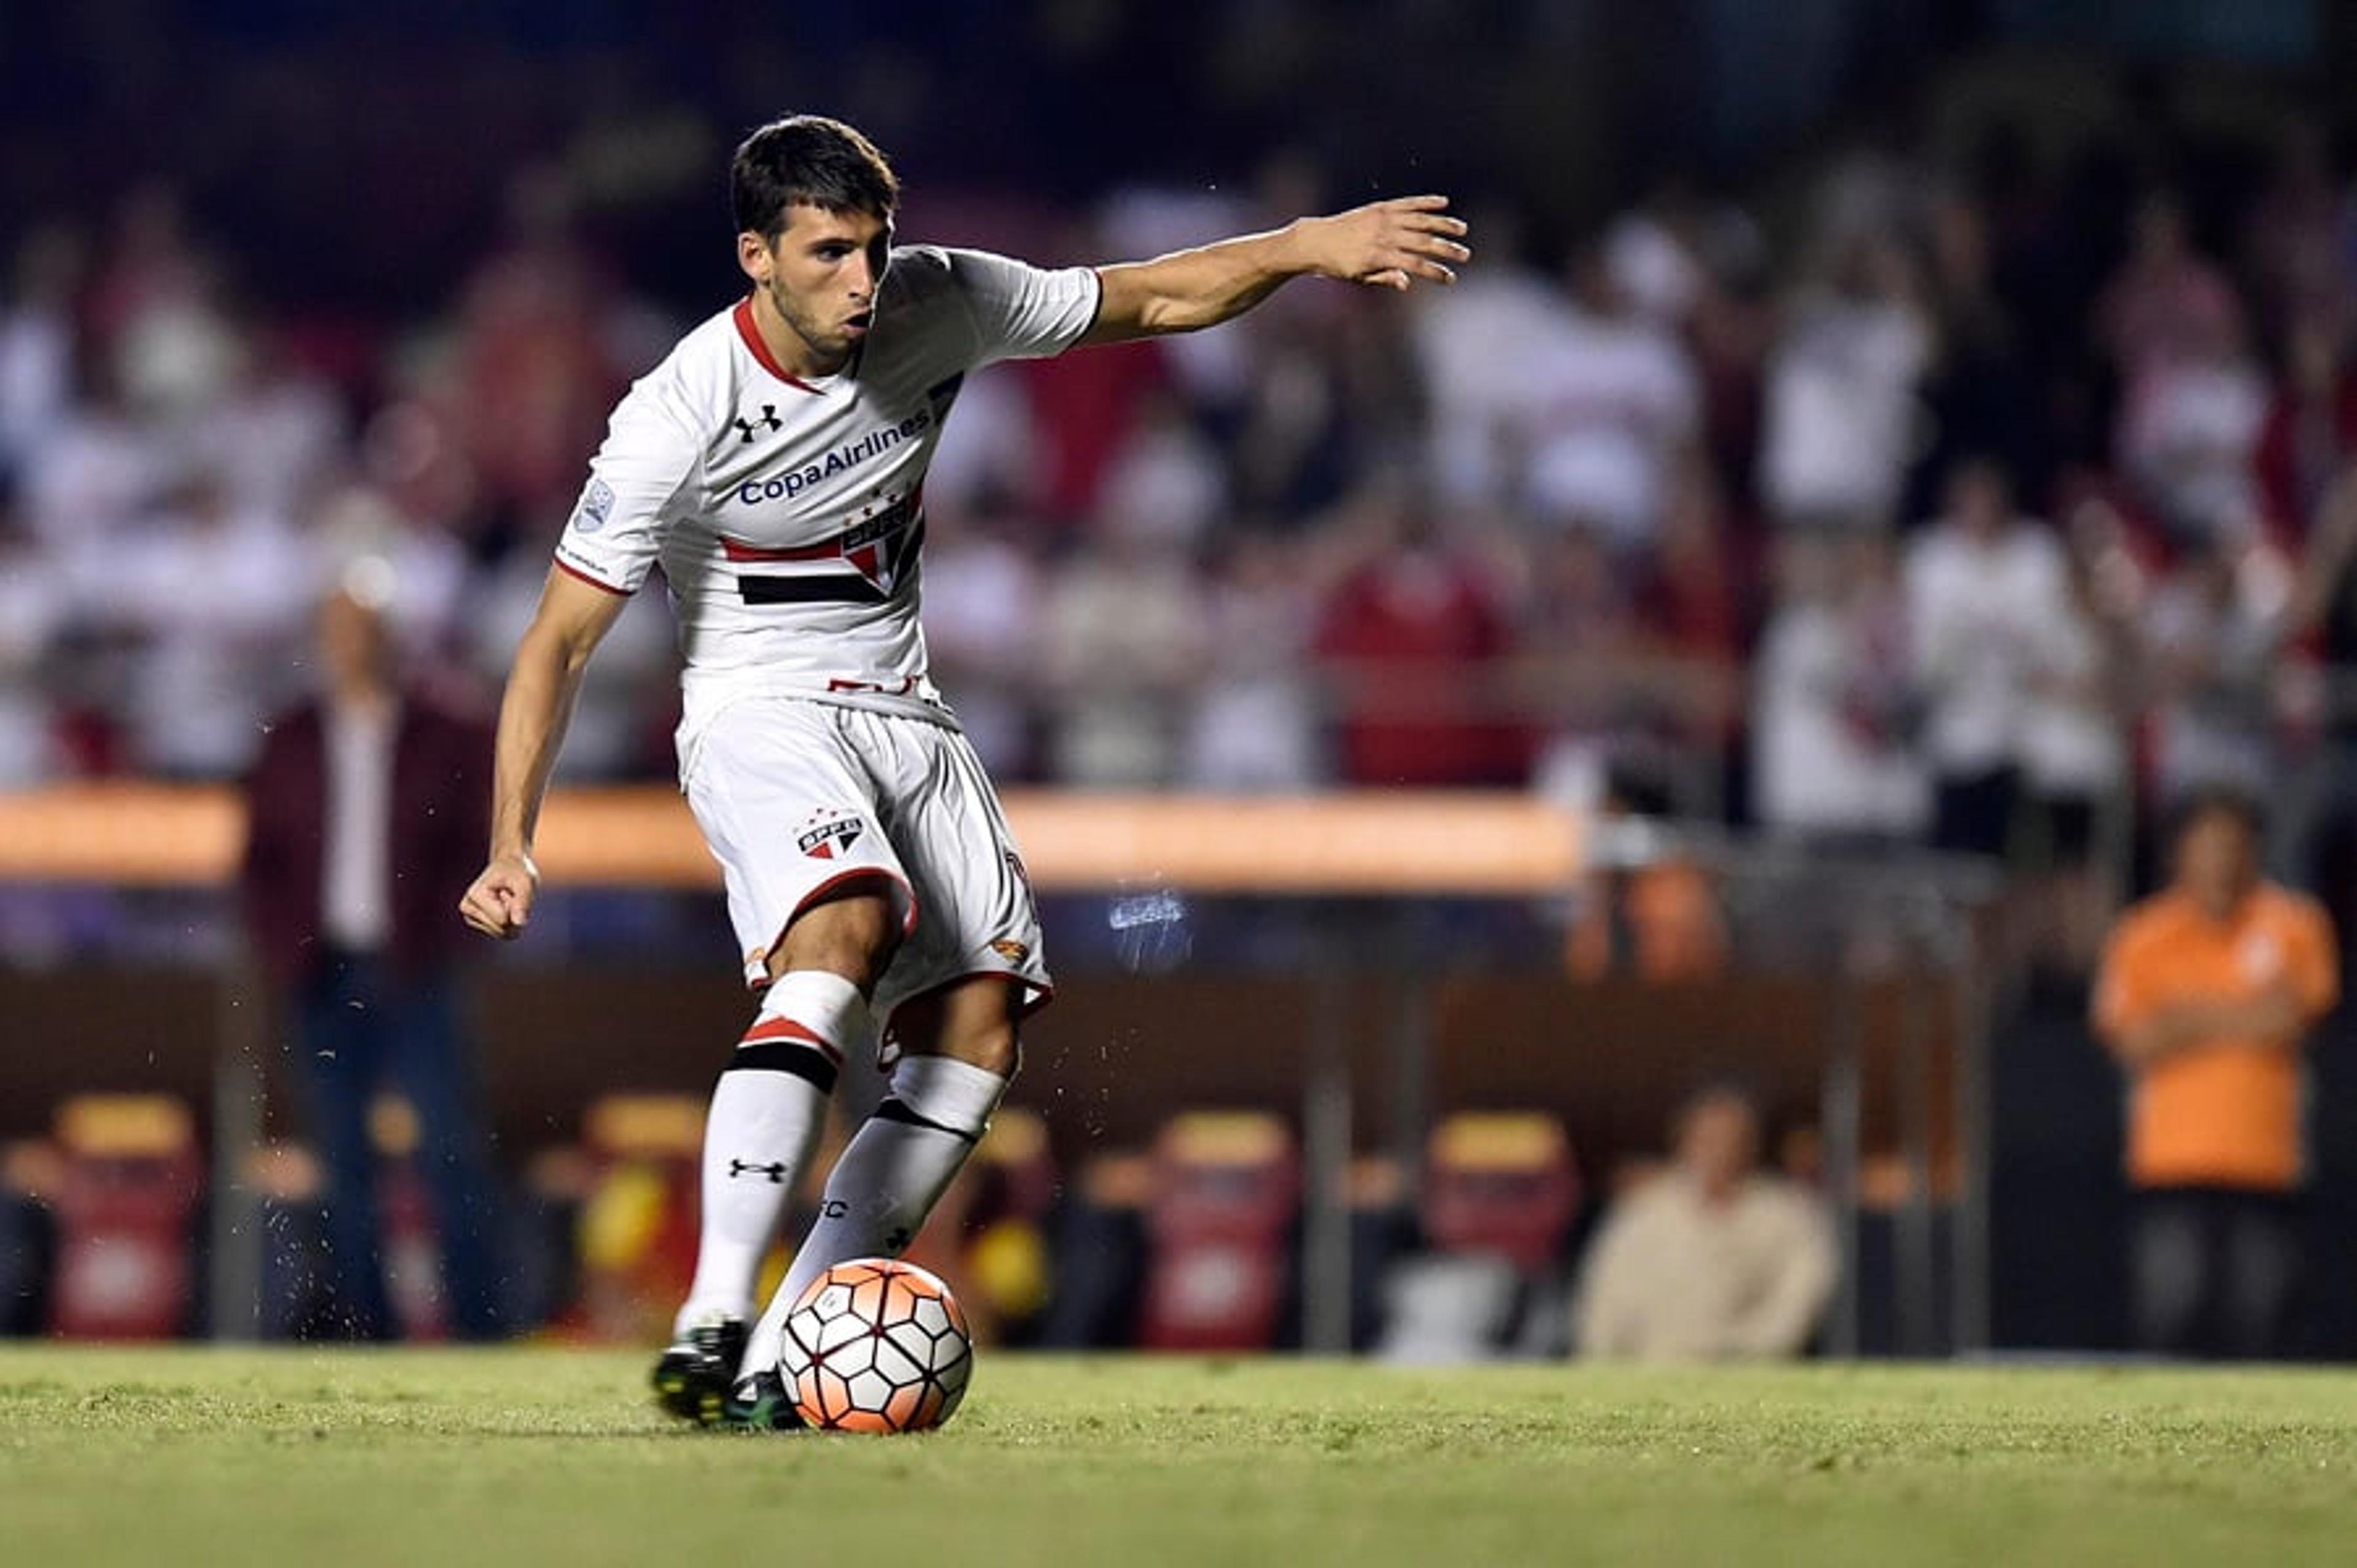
[1993,503]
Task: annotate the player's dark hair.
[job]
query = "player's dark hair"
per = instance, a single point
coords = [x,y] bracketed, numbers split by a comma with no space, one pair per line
[810,160]
[2232,801]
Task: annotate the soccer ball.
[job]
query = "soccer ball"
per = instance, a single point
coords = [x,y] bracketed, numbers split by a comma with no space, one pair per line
[875,1346]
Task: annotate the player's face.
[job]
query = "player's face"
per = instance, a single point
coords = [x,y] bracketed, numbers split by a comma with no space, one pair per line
[821,276]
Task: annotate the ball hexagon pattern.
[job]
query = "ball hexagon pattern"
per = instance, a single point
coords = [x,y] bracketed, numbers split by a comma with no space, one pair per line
[875,1346]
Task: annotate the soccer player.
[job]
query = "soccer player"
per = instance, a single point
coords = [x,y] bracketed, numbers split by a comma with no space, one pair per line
[774,466]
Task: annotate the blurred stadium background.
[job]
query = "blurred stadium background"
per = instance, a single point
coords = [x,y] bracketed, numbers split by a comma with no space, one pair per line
[1613,557]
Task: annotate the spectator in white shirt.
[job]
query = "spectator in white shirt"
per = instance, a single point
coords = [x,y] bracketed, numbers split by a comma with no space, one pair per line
[984,589]
[1254,722]
[2075,743]
[216,594]
[37,345]
[1984,585]
[1832,719]
[1614,402]
[1840,391]
[2213,636]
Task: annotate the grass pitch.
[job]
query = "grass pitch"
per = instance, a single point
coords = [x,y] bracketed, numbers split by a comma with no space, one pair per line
[510,1456]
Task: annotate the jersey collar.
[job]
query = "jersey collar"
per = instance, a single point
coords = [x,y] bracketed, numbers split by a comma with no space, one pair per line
[750,330]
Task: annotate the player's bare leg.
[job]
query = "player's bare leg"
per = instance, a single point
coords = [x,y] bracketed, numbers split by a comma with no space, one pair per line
[767,1112]
[959,1048]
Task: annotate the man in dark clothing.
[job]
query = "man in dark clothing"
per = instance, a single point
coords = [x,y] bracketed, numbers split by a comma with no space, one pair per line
[368,808]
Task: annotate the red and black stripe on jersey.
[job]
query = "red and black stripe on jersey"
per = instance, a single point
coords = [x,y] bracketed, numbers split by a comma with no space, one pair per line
[881,552]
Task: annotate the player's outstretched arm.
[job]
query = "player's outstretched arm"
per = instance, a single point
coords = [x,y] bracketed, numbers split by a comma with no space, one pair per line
[1384,244]
[572,619]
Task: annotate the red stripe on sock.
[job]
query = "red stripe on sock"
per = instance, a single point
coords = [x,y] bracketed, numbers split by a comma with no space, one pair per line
[787,1030]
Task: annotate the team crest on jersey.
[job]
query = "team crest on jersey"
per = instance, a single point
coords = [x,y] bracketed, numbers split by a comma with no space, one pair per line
[881,545]
[879,548]
[829,834]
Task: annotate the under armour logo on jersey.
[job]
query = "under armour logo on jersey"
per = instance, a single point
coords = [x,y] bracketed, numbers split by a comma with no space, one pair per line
[776,1174]
[769,417]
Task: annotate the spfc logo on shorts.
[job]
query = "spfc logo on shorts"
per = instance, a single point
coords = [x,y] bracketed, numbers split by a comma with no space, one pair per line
[1010,950]
[830,836]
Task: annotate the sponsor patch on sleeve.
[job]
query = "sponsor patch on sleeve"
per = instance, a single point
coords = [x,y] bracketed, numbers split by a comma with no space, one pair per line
[596,506]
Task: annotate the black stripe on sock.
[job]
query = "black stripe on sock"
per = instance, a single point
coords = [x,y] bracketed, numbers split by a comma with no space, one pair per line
[893,1109]
[786,1056]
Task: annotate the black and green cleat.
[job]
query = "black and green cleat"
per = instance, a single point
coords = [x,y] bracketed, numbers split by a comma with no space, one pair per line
[759,1404]
[693,1378]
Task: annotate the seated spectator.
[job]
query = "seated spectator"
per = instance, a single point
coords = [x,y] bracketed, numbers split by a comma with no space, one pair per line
[2206,997]
[1713,1259]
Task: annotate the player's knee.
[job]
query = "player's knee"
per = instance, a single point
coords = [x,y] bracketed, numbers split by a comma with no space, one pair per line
[994,1047]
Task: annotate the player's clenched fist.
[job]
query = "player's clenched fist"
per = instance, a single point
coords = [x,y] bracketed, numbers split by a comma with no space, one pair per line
[499,903]
[1389,244]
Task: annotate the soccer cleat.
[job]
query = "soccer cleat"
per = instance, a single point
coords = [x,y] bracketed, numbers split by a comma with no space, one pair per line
[693,1378]
[759,1404]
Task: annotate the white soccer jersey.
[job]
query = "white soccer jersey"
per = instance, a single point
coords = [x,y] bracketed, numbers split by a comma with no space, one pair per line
[788,513]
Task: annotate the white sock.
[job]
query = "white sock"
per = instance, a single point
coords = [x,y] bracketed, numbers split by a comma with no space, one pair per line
[766,1112]
[894,1170]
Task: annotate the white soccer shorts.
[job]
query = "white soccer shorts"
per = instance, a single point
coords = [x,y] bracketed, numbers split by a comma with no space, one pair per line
[796,796]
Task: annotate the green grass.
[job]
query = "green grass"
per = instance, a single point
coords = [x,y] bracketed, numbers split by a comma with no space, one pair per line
[530,1456]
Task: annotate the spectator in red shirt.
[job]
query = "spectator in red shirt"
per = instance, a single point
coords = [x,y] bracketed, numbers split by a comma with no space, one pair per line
[2312,429]
[1411,642]
[369,806]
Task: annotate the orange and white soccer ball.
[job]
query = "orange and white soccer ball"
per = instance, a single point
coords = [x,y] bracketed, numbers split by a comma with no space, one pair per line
[875,1346]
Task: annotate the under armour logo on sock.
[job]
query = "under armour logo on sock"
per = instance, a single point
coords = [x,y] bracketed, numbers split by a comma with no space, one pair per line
[897,1241]
[777,1173]
[769,417]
